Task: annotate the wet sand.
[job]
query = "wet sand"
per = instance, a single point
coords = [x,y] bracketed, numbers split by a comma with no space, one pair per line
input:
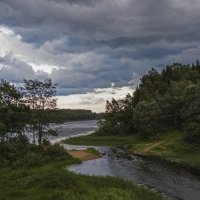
[83,155]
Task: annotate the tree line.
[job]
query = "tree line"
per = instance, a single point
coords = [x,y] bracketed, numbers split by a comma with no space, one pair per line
[163,101]
[62,115]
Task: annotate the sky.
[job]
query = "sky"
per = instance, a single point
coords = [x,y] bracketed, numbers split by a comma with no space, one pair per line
[95,49]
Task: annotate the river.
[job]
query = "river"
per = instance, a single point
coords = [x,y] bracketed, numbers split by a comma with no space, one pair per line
[73,129]
[175,183]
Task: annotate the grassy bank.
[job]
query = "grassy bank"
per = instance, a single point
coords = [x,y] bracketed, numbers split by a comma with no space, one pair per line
[97,140]
[171,146]
[53,182]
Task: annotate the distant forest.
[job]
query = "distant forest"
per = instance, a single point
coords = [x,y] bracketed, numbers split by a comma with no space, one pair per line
[62,115]
[163,101]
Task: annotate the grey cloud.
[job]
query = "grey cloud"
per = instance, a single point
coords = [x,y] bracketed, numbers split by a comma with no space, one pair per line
[92,100]
[63,91]
[110,19]
[73,45]
[81,2]
[15,70]
[5,10]
[155,50]
[97,42]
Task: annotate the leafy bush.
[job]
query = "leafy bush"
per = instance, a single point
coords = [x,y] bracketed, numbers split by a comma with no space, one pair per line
[31,159]
[193,132]
[13,150]
[55,150]
[18,152]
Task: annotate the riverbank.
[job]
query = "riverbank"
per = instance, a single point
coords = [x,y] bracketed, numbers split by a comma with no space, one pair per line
[53,181]
[171,147]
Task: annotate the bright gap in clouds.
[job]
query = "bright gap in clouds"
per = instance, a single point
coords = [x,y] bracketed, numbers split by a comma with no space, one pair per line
[43,67]
[95,100]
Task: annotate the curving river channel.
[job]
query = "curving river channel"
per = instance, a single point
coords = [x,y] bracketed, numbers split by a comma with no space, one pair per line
[174,183]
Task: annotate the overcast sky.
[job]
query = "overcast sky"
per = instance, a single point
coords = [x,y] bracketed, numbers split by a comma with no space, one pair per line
[95,49]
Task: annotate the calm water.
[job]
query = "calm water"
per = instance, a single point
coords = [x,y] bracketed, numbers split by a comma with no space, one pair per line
[73,129]
[174,183]
[69,129]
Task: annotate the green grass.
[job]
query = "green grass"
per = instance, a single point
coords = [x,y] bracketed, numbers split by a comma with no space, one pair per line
[53,182]
[98,140]
[171,146]
[93,151]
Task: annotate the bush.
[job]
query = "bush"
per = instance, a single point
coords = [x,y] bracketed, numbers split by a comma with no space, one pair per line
[15,153]
[193,132]
[193,138]
[55,150]
[12,151]
[31,159]
[19,139]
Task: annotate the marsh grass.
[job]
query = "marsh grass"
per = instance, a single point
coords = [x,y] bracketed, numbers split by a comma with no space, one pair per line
[93,151]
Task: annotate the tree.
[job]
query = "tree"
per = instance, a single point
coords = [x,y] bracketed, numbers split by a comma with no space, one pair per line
[13,115]
[171,104]
[161,102]
[147,119]
[191,112]
[151,84]
[39,96]
[118,116]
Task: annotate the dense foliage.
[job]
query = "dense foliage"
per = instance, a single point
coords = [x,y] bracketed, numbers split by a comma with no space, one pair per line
[13,112]
[17,151]
[163,101]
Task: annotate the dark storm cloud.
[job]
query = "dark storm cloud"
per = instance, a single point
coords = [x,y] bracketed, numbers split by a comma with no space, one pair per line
[111,39]
[144,21]
[81,2]
[74,45]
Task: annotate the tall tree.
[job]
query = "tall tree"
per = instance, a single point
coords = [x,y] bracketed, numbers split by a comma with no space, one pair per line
[191,112]
[12,110]
[146,117]
[39,96]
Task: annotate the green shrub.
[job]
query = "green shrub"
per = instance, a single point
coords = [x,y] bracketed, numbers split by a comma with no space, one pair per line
[15,153]
[55,150]
[92,151]
[193,132]
[31,159]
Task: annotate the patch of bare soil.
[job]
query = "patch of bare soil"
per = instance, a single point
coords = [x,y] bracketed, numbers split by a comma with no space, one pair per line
[83,155]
